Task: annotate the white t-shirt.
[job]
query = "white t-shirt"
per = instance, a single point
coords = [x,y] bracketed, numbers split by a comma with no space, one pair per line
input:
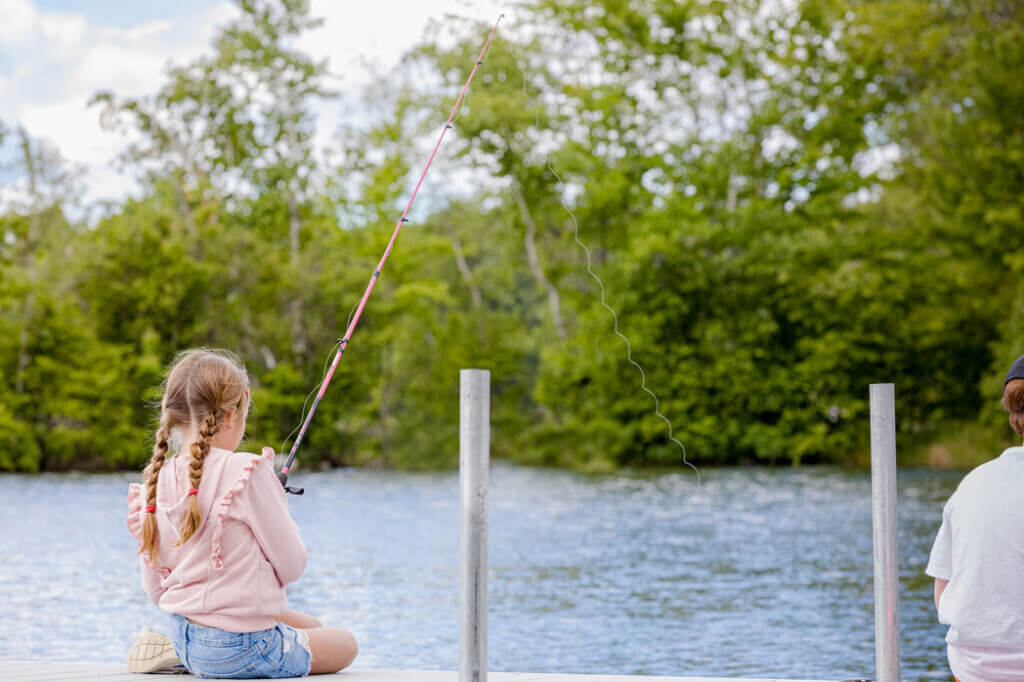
[980,550]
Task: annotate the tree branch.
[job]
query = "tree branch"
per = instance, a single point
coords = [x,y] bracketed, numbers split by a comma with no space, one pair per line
[531,256]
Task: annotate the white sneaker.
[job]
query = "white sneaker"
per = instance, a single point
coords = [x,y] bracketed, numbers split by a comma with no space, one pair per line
[153,652]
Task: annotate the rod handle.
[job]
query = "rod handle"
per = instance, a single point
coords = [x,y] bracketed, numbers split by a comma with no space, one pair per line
[294,490]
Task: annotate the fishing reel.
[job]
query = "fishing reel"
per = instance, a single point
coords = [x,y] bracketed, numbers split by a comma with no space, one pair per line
[294,490]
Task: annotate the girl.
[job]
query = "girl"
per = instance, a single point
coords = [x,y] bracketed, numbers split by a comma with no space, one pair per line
[978,560]
[216,541]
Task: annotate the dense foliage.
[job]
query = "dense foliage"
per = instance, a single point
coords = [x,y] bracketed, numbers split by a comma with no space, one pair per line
[785,204]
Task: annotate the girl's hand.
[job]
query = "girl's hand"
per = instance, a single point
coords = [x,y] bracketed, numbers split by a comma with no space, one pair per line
[283,477]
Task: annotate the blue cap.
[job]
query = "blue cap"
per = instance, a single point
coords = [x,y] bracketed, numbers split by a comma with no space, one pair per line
[1016,371]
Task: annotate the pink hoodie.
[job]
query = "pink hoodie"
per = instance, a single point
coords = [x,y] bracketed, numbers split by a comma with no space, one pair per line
[231,573]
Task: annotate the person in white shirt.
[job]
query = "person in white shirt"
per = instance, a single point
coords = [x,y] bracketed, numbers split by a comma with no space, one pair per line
[978,560]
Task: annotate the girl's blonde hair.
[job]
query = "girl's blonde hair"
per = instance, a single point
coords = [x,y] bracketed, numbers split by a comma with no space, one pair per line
[202,386]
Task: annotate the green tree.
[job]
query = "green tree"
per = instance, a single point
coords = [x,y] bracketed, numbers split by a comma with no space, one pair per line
[784,204]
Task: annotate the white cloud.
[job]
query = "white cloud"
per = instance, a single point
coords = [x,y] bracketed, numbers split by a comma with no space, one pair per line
[19,20]
[360,40]
[64,32]
[57,61]
[378,33]
[52,63]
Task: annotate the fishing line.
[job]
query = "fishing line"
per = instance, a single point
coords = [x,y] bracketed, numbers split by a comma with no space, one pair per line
[615,317]
[323,373]
[462,105]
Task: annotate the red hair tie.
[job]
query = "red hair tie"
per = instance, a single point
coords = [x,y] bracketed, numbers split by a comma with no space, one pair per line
[193,491]
[150,508]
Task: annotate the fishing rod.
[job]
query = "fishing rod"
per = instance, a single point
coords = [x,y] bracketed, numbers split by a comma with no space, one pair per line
[343,342]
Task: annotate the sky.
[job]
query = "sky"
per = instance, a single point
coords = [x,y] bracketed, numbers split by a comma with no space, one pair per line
[55,54]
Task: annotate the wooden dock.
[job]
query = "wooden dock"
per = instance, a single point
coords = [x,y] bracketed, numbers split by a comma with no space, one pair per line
[35,671]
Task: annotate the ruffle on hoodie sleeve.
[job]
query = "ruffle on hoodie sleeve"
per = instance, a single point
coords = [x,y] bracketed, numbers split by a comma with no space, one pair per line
[221,508]
[136,499]
[265,509]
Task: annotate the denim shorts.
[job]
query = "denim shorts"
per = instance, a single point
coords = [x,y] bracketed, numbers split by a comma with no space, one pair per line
[281,651]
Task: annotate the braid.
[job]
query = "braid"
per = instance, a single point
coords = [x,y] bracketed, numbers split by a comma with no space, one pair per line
[151,476]
[200,448]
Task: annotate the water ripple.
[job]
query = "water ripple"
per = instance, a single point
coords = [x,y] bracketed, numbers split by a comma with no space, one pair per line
[756,573]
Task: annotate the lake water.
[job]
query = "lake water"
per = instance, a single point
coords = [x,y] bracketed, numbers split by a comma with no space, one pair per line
[752,573]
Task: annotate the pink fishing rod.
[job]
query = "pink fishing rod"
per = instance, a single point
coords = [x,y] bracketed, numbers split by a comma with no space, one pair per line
[343,342]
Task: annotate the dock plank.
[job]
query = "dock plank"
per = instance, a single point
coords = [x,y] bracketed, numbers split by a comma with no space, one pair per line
[40,671]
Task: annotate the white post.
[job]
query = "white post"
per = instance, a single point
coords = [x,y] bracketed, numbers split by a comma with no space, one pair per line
[883,514]
[474,457]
